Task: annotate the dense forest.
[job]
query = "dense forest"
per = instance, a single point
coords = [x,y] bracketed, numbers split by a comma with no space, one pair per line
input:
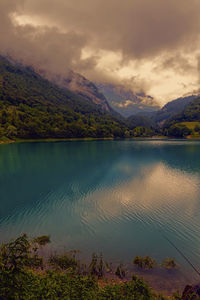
[31,107]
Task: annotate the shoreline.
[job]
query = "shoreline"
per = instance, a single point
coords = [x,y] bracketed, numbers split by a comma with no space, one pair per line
[3,142]
[162,281]
[51,140]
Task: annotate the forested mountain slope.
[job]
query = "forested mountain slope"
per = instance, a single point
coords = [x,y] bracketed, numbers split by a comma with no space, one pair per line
[33,107]
[190,113]
[82,87]
[171,109]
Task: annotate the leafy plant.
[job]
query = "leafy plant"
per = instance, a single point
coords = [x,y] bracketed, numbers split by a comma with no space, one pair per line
[120,272]
[97,266]
[145,263]
[65,261]
[19,253]
[108,267]
[100,267]
[21,278]
[42,240]
[169,263]
[135,289]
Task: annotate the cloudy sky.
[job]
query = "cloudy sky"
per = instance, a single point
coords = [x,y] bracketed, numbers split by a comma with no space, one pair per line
[152,46]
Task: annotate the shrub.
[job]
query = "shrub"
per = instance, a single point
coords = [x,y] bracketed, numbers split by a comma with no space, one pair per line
[169,263]
[179,130]
[42,240]
[18,254]
[146,262]
[135,289]
[19,280]
[120,272]
[64,261]
[97,266]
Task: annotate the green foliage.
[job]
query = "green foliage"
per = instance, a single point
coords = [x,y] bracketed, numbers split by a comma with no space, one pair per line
[169,263]
[100,267]
[50,285]
[97,266]
[18,254]
[135,289]
[31,108]
[93,265]
[179,130]
[145,263]
[142,132]
[120,272]
[42,240]
[21,277]
[191,113]
[65,261]
[108,267]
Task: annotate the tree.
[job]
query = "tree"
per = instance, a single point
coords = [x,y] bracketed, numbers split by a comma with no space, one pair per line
[11,131]
[179,130]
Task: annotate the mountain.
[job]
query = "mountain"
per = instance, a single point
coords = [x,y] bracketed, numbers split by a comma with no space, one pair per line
[33,107]
[190,113]
[186,123]
[171,109]
[140,120]
[185,109]
[160,118]
[125,102]
[82,87]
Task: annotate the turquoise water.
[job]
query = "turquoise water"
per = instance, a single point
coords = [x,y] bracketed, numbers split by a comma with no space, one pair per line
[121,198]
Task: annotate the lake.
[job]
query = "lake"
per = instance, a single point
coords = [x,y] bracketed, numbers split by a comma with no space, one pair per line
[121,198]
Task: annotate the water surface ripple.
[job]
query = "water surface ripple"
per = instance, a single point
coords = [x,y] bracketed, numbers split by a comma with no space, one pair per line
[117,197]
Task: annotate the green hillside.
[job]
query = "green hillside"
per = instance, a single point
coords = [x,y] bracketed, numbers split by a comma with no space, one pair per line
[190,113]
[184,129]
[192,125]
[31,107]
[186,123]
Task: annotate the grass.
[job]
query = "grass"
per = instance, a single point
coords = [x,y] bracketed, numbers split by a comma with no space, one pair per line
[190,125]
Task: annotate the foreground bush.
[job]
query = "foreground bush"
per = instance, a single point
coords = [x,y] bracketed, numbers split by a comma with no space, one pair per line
[22,276]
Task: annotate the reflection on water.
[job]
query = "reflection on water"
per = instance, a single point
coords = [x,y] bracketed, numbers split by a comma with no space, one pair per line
[118,197]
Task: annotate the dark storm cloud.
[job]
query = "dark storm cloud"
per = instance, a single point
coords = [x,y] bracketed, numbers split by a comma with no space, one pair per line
[43,46]
[177,62]
[138,29]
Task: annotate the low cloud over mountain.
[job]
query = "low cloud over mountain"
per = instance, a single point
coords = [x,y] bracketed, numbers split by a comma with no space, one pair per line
[154,42]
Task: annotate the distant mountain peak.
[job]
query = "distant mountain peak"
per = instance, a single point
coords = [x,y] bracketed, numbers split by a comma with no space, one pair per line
[125,101]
